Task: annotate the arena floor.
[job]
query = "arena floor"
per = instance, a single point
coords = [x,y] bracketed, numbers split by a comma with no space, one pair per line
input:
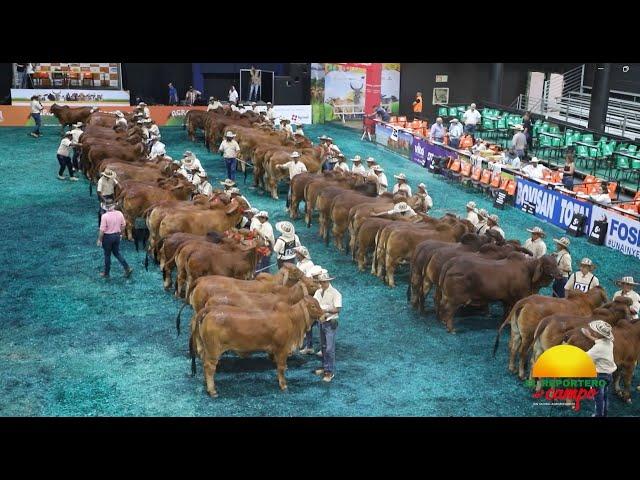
[74,344]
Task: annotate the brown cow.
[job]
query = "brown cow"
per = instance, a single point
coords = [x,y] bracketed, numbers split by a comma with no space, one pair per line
[278,332]
[69,115]
[474,280]
[172,243]
[194,120]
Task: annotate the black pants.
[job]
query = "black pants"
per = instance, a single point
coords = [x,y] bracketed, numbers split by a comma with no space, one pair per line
[75,159]
[111,244]
[65,162]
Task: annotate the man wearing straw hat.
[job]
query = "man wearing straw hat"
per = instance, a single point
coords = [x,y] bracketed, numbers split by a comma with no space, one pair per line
[492,224]
[472,216]
[370,164]
[265,230]
[482,226]
[285,244]
[602,355]
[76,132]
[583,280]
[519,141]
[111,225]
[342,164]
[455,133]
[426,202]
[228,184]
[534,169]
[64,157]
[400,209]
[157,148]
[626,284]
[536,244]
[563,260]
[330,300]
[401,184]
[106,190]
[203,186]
[295,167]
[357,166]
[190,165]
[230,149]
[247,220]
[235,192]
[307,345]
[121,121]
[303,260]
[381,179]
[299,130]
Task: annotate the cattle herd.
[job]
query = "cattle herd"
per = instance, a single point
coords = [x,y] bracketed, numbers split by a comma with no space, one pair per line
[237,310]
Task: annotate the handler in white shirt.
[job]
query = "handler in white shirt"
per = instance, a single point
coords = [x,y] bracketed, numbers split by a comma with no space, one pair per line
[342,164]
[357,167]
[583,280]
[330,300]
[381,179]
[535,244]
[601,353]
[157,148]
[402,184]
[627,284]
[472,216]
[304,263]
[233,95]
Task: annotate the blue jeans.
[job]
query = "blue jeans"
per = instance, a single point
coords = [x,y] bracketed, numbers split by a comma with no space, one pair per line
[328,344]
[308,338]
[173,99]
[254,89]
[602,397]
[567,181]
[558,286]
[264,262]
[520,154]
[454,142]
[37,118]
[23,79]
[65,162]
[111,244]
[470,129]
[74,160]
[231,164]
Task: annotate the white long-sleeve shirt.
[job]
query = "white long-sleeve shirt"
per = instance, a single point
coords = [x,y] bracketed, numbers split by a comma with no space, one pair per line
[266,231]
[157,150]
[538,248]
[404,186]
[635,298]
[382,183]
[294,168]
[359,170]
[473,218]
[602,355]
[233,95]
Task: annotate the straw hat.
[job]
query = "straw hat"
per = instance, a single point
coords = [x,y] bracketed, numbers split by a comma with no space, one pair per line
[268,103]
[323,137]
[422,186]
[378,168]
[471,205]
[564,241]
[454,120]
[302,251]
[494,218]
[287,229]
[400,207]
[400,176]
[537,230]
[294,155]
[535,160]
[483,213]
[324,277]
[230,134]
[518,127]
[253,211]
[602,328]
[370,160]
[109,173]
[626,280]
[356,159]
[315,270]
[228,183]
[263,214]
[588,262]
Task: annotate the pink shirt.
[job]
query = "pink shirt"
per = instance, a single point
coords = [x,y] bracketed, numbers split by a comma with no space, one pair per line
[112,222]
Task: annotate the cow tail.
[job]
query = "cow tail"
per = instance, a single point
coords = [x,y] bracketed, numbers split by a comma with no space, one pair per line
[192,353]
[90,187]
[409,284]
[178,319]
[507,320]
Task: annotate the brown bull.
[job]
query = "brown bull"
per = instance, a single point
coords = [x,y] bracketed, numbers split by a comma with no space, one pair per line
[194,120]
[170,246]
[279,157]
[474,280]
[278,332]
[123,152]
[69,115]
[527,313]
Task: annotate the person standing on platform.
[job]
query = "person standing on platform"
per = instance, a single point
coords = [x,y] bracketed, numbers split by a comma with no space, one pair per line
[330,301]
[173,95]
[437,131]
[230,149]
[563,260]
[233,95]
[583,280]
[527,124]
[36,114]
[626,284]
[256,81]
[417,107]
[455,133]
[471,118]
[519,141]
[536,244]
[111,225]
[191,96]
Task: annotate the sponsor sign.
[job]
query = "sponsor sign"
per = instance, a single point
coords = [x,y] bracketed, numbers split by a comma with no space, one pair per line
[422,151]
[74,97]
[623,233]
[383,134]
[551,206]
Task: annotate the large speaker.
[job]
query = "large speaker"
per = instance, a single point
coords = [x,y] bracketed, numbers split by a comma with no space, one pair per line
[288,92]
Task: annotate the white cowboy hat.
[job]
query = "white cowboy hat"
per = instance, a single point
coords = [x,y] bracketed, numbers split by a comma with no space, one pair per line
[422,186]
[400,207]
[140,122]
[324,277]
[210,98]
[356,159]
[602,328]
[302,250]
[187,153]
[119,114]
[473,105]
[109,173]
[537,230]
[400,176]
[315,270]
[287,229]
[230,134]
[323,137]
[298,133]
[294,155]
[454,120]
[483,213]
[518,127]
[263,214]
[378,168]
[471,205]
[78,125]
[370,160]
[626,280]
[535,160]
[494,218]
[298,123]
[333,160]
[69,134]
[254,211]
[142,104]
[254,103]
[586,261]
[228,183]
[564,241]
[268,103]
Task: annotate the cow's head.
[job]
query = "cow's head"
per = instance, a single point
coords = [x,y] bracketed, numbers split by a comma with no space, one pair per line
[312,306]
[545,268]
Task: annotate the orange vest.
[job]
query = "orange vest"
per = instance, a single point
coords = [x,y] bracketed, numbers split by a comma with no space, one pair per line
[417,107]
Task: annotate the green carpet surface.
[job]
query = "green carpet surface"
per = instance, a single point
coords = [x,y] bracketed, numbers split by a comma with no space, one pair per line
[74,344]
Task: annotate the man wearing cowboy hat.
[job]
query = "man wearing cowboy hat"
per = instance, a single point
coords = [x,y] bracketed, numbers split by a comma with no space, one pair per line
[400,209]
[121,120]
[482,226]
[437,131]
[154,130]
[295,167]
[145,110]
[299,130]
[201,181]
[190,165]
[285,126]
[472,216]
[230,150]
[76,132]
[401,184]
[381,179]
[426,202]
[106,185]
[626,284]
[307,344]
[342,164]
[330,164]
[492,224]
[303,259]
[519,141]
[330,301]
[145,130]
[270,113]
[228,184]
[601,353]
[265,230]
[255,222]
[285,244]
[64,156]
[583,280]
[157,148]
[455,133]
[536,244]
[357,166]
[248,217]
[111,225]
[235,192]
[534,169]
[563,260]
[213,104]
[370,164]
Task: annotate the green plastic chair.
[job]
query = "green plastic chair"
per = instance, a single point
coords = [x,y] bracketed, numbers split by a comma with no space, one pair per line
[632,148]
[443,112]
[622,163]
[554,129]
[488,127]
[453,112]
[545,127]
[587,138]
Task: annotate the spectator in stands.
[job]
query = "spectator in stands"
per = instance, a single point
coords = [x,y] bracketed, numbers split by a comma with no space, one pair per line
[455,133]
[527,124]
[173,95]
[379,111]
[471,118]
[192,96]
[233,95]
[417,107]
[36,111]
[603,196]
[256,82]
[519,141]
[438,131]
[534,169]
[568,170]
[510,158]
[563,260]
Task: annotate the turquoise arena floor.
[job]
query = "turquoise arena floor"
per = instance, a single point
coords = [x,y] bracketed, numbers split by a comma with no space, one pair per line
[73,344]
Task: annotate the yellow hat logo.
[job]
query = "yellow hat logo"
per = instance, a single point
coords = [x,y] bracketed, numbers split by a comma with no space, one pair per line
[564,361]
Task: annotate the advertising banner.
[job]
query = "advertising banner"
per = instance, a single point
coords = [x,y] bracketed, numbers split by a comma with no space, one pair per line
[551,206]
[402,143]
[383,134]
[76,98]
[422,151]
[623,233]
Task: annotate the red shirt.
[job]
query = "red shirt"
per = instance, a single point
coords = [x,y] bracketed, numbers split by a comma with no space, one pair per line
[112,222]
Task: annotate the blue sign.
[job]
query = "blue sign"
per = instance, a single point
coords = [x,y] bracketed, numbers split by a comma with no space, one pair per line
[551,206]
[422,151]
[383,132]
[623,234]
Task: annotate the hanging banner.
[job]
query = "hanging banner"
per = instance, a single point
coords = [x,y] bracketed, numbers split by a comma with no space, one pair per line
[623,233]
[422,151]
[383,134]
[71,97]
[551,206]
[372,87]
